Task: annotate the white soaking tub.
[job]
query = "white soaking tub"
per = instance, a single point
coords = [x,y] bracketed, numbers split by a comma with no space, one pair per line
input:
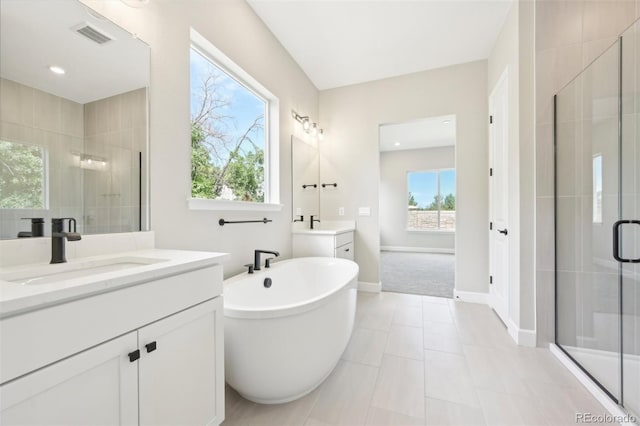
[281,342]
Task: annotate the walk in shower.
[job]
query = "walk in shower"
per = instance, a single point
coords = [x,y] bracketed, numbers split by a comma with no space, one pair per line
[597,219]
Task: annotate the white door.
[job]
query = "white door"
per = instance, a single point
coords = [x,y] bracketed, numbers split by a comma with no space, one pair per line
[182,368]
[498,198]
[96,387]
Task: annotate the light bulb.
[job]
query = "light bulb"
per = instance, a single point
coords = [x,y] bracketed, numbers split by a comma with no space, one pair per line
[306,124]
[88,160]
[321,134]
[314,130]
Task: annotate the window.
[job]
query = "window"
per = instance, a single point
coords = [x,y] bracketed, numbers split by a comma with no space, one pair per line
[23,176]
[233,132]
[597,188]
[431,200]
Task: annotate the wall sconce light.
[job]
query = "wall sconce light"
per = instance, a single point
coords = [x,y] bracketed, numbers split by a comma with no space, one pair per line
[92,162]
[307,126]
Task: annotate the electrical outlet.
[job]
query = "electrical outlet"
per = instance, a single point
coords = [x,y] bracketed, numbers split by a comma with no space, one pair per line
[341,211]
[364,211]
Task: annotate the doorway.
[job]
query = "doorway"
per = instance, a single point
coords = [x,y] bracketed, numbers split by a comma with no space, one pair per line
[418,206]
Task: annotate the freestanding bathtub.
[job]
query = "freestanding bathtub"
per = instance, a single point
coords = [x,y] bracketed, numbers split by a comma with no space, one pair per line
[281,342]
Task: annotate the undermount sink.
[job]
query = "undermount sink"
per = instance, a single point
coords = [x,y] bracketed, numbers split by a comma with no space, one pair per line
[60,272]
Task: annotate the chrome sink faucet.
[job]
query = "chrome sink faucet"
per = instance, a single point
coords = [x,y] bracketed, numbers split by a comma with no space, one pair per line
[58,236]
[256,257]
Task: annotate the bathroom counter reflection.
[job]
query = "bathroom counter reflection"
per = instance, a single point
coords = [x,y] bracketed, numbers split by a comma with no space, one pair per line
[72,145]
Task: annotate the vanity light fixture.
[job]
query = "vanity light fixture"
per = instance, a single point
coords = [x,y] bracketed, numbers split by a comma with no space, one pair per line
[307,126]
[57,70]
[91,162]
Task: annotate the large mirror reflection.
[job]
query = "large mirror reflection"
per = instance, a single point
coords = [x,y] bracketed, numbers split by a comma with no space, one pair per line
[73,119]
[305,166]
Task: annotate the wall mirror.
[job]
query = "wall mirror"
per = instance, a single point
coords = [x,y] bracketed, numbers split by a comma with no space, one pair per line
[73,119]
[305,169]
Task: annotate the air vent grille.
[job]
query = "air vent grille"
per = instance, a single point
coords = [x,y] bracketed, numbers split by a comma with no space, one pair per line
[92,33]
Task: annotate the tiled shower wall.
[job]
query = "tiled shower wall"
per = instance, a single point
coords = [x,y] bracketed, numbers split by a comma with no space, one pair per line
[570,34]
[35,117]
[116,130]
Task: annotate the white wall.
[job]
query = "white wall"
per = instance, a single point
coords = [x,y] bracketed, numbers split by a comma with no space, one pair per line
[232,27]
[394,166]
[350,157]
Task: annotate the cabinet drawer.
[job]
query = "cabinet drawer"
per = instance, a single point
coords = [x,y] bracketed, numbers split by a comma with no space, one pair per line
[342,239]
[345,251]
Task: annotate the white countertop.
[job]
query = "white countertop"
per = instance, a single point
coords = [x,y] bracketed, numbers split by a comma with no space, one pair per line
[329,227]
[18,298]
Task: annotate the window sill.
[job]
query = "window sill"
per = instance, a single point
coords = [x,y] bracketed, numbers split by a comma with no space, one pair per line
[431,231]
[230,205]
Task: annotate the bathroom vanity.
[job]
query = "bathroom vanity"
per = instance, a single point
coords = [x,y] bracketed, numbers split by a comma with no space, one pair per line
[126,338]
[327,239]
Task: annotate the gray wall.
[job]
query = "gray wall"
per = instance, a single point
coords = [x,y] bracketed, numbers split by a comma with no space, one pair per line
[569,36]
[350,157]
[394,166]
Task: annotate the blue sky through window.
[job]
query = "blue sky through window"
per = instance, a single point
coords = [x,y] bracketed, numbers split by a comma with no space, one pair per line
[424,185]
[243,106]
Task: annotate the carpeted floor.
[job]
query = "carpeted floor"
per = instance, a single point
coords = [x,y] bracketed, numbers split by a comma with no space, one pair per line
[428,274]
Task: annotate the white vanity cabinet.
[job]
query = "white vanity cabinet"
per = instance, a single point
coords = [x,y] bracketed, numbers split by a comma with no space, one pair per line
[324,244]
[151,353]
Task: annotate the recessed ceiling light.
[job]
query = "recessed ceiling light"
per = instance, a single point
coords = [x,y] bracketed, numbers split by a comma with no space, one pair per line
[446,121]
[397,144]
[56,69]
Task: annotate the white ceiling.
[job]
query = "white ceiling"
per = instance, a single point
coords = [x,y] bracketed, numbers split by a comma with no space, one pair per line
[35,34]
[343,42]
[427,133]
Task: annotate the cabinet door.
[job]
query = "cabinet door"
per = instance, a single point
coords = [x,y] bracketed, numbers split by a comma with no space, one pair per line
[96,387]
[182,368]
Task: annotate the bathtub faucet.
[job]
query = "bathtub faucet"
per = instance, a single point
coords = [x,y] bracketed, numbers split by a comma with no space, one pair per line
[256,257]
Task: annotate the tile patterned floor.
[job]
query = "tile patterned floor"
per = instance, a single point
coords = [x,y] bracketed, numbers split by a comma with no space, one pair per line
[420,360]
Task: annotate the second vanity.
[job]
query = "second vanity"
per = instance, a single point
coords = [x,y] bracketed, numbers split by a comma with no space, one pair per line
[327,239]
[125,338]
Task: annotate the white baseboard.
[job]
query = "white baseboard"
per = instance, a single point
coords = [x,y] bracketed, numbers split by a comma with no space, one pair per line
[522,336]
[471,297]
[417,249]
[369,287]
[621,417]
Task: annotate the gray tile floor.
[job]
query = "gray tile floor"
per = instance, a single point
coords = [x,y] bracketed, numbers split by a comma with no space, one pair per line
[420,360]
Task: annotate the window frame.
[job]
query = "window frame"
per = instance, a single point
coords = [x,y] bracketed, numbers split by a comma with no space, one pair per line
[438,230]
[45,177]
[272,135]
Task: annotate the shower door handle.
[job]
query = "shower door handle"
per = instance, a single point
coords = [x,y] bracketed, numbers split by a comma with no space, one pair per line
[616,240]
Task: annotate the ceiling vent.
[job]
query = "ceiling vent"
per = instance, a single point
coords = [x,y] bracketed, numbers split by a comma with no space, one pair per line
[92,33]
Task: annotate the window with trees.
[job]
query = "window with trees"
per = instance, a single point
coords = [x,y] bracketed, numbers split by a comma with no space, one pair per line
[229,131]
[431,200]
[23,176]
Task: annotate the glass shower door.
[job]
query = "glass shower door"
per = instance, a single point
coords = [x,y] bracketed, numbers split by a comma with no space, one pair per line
[587,144]
[629,233]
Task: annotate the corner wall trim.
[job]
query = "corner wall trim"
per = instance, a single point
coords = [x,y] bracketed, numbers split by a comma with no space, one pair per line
[417,249]
[369,287]
[522,337]
[471,297]
[613,408]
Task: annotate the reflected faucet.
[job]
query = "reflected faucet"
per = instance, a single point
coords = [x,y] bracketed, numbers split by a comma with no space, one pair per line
[256,257]
[58,236]
[312,221]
